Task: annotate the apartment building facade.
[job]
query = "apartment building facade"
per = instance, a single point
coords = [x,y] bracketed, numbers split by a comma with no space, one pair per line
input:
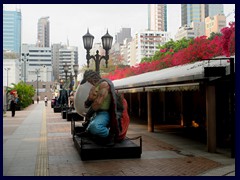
[43,36]
[35,59]
[68,55]
[196,29]
[215,24]
[147,43]
[157,17]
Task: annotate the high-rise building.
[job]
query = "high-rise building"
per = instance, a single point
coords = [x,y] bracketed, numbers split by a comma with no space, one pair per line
[61,55]
[196,29]
[43,36]
[125,51]
[123,34]
[132,52]
[36,58]
[198,12]
[214,24]
[147,43]
[157,17]
[193,13]
[120,39]
[55,60]
[68,55]
[215,9]
[12,22]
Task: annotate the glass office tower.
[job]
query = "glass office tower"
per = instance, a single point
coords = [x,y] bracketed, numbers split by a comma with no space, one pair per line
[12,25]
[198,12]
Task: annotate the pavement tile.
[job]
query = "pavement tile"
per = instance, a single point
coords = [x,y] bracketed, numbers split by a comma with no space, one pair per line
[163,154]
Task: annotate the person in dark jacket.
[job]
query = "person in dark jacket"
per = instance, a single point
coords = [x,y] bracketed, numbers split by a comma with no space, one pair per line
[13,107]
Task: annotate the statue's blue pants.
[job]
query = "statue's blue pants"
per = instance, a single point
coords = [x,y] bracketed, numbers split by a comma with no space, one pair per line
[99,124]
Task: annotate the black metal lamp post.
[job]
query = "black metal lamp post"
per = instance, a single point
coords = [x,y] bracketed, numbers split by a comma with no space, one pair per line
[25,59]
[37,72]
[7,69]
[65,68]
[71,80]
[107,44]
[75,69]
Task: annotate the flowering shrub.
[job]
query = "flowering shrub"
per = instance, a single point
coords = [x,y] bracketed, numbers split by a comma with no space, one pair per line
[228,39]
[163,50]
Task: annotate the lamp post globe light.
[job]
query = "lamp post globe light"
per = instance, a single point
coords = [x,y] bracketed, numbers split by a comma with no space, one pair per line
[107,44]
[7,69]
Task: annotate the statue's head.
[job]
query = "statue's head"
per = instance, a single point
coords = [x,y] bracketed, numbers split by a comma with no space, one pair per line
[90,76]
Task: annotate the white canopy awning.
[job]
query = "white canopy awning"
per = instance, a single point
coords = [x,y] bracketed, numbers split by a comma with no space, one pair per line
[169,79]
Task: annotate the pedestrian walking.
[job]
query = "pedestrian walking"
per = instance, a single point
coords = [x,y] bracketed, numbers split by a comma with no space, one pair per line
[13,106]
[46,100]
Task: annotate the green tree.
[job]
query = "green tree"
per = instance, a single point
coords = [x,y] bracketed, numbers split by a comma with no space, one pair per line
[177,45]
[169,47]
[213,35]
[147,59]
[25,93]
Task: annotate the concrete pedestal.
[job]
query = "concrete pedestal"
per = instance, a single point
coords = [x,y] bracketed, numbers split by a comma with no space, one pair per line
[89,150]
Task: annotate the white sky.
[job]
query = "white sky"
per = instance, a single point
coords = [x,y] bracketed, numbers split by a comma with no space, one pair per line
[70,21]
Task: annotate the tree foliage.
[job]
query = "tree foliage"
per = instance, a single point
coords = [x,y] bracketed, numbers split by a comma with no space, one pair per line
[169,48]
[25,93]
[213,34]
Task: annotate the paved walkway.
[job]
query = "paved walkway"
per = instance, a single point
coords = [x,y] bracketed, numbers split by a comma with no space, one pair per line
[38,142]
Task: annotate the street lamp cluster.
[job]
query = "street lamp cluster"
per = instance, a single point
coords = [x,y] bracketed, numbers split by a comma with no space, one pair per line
[37,72]
[106,43]
[25,59]
[88,42]
[75,69]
